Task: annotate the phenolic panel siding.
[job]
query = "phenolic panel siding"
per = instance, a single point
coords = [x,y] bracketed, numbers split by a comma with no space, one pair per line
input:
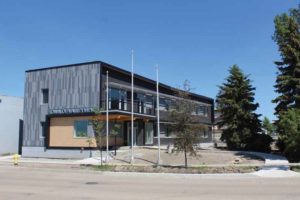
[69,87]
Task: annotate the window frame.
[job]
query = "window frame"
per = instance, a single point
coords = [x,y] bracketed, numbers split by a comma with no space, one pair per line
[43,90]
[74,129]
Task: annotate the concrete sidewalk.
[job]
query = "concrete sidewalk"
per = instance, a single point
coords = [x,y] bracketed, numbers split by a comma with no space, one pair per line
[275,166]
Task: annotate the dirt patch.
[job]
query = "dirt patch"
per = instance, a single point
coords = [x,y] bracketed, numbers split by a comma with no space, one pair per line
[204,157]
[179,170]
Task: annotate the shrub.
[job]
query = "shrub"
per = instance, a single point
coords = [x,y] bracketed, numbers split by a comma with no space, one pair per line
[260,142]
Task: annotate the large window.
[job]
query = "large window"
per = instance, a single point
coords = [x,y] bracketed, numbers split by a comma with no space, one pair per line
[116,128]
[164,130]
[117,99]
[81,128]
[202,110]
[149,105]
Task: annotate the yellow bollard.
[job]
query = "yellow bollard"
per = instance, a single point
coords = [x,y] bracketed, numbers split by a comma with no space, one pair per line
[16,158]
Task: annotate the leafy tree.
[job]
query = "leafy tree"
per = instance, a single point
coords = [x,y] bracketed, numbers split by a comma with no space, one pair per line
[290,122]
[185,128]
[268,126]
[287,37]
[235,101]
[98,126]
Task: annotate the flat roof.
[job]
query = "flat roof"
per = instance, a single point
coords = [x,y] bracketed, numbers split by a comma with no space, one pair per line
[122,71]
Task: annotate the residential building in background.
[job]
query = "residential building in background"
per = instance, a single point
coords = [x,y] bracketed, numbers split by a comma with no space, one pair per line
[59,103]
[11,115]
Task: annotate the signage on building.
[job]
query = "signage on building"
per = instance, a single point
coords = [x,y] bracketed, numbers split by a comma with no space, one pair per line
[71,110]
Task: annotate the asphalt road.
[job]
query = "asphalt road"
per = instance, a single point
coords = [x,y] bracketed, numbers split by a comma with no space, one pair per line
[22,183]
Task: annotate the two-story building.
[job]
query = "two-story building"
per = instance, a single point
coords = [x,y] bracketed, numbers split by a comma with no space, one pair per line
[59,103]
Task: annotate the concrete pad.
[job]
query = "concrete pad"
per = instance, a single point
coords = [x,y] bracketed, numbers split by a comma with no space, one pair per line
[276,173]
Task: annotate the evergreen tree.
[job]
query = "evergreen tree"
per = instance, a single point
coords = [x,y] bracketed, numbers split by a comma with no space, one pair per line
[268,126]
[287,37]
[235,101]
[290,122]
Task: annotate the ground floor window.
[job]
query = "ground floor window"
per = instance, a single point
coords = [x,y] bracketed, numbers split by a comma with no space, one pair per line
[81,128]
[165,130]
[43,130]
[116,129]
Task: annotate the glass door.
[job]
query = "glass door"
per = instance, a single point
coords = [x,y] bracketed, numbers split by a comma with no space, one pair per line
[149,133]
[135,129]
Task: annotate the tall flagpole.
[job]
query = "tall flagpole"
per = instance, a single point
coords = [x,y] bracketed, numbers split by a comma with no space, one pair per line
[158,120]
[132,96]
[107,116]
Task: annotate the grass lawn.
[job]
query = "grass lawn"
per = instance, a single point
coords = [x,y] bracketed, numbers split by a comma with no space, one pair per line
[295,168]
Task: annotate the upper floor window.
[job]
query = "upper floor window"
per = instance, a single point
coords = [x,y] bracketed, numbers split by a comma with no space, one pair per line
[45,96]
[202,111]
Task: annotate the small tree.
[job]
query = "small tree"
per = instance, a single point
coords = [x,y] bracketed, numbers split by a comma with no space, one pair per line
[90,143]
[115,131]
[290,125]
[184,127]
[268,126]
[98,127]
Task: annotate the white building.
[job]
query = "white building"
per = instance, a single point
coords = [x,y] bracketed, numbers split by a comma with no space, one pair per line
[11,115]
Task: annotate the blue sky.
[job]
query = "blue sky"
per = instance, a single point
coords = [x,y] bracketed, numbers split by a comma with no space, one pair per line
[193,40]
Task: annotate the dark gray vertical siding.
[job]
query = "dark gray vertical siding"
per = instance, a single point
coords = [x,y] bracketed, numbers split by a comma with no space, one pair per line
[69,87]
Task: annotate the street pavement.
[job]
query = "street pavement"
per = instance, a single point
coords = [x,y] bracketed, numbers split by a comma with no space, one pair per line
[22,183]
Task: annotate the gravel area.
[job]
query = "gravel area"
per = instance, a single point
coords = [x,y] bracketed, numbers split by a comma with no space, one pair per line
[145,156]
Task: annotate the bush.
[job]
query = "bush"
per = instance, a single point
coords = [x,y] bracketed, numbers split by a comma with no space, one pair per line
[260,142]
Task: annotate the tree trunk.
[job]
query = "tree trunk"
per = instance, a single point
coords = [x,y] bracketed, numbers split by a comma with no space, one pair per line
[185,158]
[115,145]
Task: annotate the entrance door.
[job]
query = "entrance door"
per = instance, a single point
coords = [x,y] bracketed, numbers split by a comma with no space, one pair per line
[148,133]
[129,135]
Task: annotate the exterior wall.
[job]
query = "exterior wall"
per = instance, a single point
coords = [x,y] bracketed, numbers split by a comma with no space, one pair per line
[41,152]
[69,87]
[11,111]
[164,140]
[62,134]
[76,87]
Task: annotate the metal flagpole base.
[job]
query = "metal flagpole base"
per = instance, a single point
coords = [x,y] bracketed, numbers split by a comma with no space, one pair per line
[159,162]
[132,161]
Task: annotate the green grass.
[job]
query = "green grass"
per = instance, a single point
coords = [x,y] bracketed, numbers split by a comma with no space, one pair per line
[6,154]
[104,167]
[295,168]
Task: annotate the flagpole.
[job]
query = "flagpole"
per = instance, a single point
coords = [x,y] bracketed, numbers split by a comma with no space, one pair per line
[158,119]
[132,96]
[107,117]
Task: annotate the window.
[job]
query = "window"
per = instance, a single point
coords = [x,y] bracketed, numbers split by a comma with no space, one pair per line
[45,96]
[163,105]
[202,111]
[164,130]
[44,130]
[117,99]
[205,133]
[81,128]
